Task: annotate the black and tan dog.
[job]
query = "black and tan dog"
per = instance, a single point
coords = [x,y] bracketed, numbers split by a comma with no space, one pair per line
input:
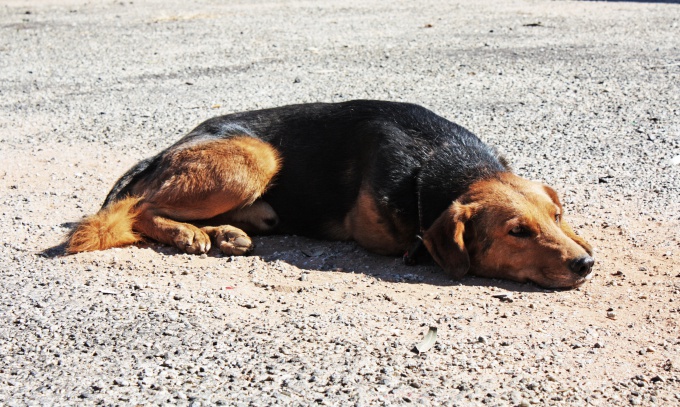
[379,173]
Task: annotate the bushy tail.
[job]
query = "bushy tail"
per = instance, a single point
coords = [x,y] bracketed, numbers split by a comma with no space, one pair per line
[110,227]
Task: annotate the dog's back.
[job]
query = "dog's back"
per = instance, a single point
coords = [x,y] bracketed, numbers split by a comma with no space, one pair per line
[401,151]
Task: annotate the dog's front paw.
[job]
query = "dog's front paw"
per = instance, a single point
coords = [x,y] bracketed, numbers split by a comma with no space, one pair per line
[231,241]
[192,240]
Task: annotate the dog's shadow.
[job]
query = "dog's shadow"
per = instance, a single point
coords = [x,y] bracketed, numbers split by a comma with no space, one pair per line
[59,249]
[347,257]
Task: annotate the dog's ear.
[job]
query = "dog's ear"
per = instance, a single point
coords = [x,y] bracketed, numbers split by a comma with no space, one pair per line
[564,225]
[444,239]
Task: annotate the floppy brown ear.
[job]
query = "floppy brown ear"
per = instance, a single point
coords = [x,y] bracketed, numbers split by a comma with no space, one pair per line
[444,240]
[565,226]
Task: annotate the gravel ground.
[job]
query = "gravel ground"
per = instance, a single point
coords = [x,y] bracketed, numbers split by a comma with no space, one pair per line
[582,95]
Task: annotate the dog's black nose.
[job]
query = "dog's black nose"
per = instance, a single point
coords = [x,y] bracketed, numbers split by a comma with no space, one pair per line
[582,265]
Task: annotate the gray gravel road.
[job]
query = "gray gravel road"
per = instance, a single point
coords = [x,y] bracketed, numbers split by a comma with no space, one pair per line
[582,95]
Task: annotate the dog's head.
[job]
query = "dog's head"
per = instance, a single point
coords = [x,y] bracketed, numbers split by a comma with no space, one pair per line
[509,227]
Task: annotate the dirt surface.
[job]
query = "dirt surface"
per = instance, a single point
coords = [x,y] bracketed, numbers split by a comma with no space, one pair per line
[581,95]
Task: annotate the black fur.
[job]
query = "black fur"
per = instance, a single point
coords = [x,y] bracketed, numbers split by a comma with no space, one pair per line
[415,161]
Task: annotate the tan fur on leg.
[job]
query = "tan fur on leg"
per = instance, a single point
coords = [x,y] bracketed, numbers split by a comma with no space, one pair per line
[184,236]
[191,184]
[201,182]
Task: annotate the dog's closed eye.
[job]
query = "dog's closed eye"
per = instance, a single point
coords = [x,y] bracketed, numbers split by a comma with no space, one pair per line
[520,232]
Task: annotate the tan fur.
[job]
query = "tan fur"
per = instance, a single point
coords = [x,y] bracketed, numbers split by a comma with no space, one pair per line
[110,227]
[445,239]
[368,226]
[231,240]
[489,210]
[211,178]
[184,236]
[202,182]
[259,217]
[195,183]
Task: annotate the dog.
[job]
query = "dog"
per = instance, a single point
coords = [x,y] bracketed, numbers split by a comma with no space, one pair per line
[383,174]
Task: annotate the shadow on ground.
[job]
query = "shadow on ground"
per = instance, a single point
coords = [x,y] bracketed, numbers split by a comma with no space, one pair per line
[347,257]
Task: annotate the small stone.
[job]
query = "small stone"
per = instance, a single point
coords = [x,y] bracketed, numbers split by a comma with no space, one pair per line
[675,160]
[504,297]
[611,315]
[650,349]
[482,339]
[121,382]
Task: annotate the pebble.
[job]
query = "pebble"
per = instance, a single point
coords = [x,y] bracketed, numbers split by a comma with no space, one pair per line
[121,382]
[504,297]
[675,160]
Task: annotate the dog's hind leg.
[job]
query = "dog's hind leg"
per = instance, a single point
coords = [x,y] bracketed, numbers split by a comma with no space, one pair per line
[198,183]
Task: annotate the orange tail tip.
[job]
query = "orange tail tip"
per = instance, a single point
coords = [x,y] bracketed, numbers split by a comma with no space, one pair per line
[110,227]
